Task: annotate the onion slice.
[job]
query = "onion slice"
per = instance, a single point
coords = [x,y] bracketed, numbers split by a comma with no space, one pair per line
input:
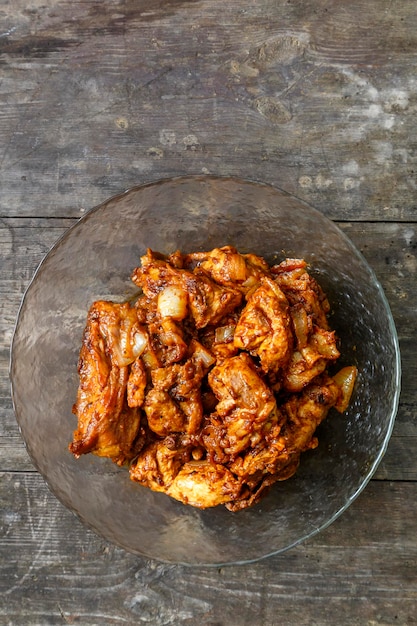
[201,354]
[345,379]
[172,302]
[224,334]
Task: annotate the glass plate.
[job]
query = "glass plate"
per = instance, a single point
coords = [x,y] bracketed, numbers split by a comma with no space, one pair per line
[94,259]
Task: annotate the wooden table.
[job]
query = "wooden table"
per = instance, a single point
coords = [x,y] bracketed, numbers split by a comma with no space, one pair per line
[318,97]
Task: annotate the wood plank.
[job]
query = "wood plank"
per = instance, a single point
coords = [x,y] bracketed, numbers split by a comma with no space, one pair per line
[391,251]
[361,570]
[22,247]
[315,97]
[13,454]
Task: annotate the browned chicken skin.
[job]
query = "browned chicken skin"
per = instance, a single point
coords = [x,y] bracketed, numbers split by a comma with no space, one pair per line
[107,424]
[264,327]
[246,408]
[229,268]
[213,384]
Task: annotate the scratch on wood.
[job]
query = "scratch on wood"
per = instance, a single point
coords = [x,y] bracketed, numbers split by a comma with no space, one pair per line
[64,617]
[29,511]
[301,78]
[37,557]
[9,32]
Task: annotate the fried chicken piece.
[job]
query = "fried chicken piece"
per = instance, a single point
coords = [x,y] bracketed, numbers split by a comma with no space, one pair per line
[167,343]
[107,426]
[175,404]
[307,410]
[206,301]
[277,456]
[315,345]
[203,484]
[167,466]
[163,287]
[310,361]
[119,326]
[237,385]
[209,303]
[146,309]
[219,339]
[246,408]
[222,350]
[136,383]
[158,464]
[256,265]
[226,266]
[155,273]
[163,413]
[167,340]
[299,373]
[300,287]
[264,327]
[303,413]
[266,457]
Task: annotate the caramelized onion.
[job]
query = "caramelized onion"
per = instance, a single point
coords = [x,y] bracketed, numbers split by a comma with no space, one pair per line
[172,302]
[224,334]
[345,379]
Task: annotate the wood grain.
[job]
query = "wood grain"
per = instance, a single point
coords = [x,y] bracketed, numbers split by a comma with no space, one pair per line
[368,559]
[317,97]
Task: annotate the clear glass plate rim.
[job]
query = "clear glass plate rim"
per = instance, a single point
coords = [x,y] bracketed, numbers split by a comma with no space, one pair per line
[224,179]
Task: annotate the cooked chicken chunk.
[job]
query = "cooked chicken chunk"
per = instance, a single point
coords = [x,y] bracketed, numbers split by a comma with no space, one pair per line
[158,464]
[167,466]
[163,413]
[246,408]
[203,484]
[107,426]
[305,411]
[155,274]
[237,385]
[219,339]
[276,457]
[268,456]
[174,404]
[300,287]
[125,338]
[264,328]
[210,303]
[310,361]
[136,383]
[167,341]
[229,268]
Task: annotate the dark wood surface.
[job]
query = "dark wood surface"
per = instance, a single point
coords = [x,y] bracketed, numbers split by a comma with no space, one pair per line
[318,97]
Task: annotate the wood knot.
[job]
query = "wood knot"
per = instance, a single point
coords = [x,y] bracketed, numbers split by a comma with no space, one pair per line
[274,110]
[282,49]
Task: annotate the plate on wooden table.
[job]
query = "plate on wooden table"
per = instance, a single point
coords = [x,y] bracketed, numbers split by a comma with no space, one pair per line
[94,259]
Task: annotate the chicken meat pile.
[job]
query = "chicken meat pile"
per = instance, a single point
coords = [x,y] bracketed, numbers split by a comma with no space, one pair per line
[211,385]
